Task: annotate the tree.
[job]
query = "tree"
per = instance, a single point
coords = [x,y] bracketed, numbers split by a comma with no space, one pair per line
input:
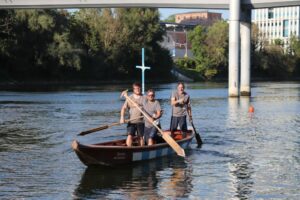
[197,39]
[217,46]
[210,47]
[170,19]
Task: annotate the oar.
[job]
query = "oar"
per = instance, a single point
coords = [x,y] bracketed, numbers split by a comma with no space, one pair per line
[165,136]
[105,127]
[197,135]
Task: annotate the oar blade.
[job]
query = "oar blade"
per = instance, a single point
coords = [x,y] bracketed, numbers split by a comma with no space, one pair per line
[93,130]
[197,135]
[175,146]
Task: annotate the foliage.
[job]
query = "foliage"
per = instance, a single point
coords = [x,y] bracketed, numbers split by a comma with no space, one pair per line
[93,44]
[170,19]
[210,47]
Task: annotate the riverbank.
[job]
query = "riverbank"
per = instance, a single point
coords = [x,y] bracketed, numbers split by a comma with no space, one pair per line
[54,85]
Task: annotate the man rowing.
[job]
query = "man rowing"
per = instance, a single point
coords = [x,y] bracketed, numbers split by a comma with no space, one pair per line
[134,127]
[152,108]
[181,107]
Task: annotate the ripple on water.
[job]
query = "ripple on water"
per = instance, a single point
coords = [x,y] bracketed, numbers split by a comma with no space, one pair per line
[244,156]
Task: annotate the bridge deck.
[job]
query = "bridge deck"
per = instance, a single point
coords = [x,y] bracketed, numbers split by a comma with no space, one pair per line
[215,4]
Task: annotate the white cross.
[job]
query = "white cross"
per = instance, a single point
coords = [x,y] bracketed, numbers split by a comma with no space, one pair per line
[143,68]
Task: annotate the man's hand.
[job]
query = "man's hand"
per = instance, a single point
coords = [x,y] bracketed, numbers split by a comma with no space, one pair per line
[122,121]
[151,120]
[123,93]
[191,118]
[180,101]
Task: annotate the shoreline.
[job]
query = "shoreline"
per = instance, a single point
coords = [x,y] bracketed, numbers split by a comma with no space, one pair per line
[15,85]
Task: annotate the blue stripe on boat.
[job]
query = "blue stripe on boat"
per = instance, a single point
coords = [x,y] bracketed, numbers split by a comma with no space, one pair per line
[158,152]
[145,155]
[164,151]
[170,151]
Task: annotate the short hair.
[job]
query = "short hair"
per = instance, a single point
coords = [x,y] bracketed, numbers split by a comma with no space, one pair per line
[181,83]
[151,90]
[136,84]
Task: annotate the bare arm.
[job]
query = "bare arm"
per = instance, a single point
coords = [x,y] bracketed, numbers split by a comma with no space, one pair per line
[123,109]
[158,114]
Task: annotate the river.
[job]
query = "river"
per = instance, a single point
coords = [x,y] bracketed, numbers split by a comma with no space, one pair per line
[244,155]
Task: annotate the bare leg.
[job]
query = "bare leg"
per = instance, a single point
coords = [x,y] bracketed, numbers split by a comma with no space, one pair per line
[142,142]
[129,140]
[150,141]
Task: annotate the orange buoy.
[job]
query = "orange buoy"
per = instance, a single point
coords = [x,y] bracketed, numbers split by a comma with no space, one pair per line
[251,109]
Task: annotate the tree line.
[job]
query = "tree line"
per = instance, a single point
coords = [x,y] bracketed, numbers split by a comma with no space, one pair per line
[268,60]
[88,44]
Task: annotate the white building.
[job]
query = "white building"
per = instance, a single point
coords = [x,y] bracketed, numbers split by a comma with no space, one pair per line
[277,23]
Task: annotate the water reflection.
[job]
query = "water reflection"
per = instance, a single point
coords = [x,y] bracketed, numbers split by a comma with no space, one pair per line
[167,177]
[241,178]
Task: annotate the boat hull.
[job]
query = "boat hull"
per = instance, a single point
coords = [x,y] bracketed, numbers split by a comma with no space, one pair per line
[114,154]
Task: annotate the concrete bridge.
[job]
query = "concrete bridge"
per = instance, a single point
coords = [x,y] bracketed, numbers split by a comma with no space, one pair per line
[239,25]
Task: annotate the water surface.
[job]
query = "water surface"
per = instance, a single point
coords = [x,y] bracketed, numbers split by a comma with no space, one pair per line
[244,156]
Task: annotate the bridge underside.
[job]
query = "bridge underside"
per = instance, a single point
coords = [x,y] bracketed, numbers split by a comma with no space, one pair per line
[215,4]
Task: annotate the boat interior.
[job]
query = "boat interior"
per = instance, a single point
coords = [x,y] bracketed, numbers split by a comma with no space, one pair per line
[176,135]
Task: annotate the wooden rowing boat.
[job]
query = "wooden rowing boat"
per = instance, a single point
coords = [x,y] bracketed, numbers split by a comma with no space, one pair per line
[116,152]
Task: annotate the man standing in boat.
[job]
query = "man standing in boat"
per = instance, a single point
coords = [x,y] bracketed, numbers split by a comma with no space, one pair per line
[152,108]
[137,125]
[181,107]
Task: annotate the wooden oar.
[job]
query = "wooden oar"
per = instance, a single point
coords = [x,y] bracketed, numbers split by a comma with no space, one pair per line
[165,136]
[105,127]
[197,135]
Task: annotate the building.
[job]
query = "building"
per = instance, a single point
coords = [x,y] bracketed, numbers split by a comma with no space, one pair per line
[176,38]
[277,23]
[178,45]
[204,18]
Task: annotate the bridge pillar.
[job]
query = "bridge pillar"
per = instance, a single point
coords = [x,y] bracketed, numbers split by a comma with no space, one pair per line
[245,32]
[234,48]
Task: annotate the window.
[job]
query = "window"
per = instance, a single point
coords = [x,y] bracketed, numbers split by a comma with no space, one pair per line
[270,13]
[285,28]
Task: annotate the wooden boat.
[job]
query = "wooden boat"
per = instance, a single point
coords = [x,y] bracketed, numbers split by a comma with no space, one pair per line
[117,153]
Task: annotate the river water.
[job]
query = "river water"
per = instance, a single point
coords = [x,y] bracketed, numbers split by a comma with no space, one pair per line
[244,156]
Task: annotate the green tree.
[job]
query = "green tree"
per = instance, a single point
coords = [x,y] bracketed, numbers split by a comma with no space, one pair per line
[197,38]
[170,19]
[210,47]
[217,47]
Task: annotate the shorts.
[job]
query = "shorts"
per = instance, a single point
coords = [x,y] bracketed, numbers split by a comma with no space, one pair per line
[150,133]
[178,121]
[138,128]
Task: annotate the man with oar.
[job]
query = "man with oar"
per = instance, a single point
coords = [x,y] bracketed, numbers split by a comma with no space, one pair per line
[181,107]
[134,126]
[152,108]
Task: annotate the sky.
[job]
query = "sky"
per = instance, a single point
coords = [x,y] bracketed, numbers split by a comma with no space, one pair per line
[166,12]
